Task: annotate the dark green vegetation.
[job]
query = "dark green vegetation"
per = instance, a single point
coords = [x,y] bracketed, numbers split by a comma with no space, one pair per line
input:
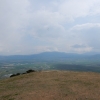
[52,85]
[28,71]
[48,61]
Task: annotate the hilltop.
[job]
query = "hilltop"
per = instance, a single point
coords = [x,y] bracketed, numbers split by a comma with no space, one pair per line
[52,85]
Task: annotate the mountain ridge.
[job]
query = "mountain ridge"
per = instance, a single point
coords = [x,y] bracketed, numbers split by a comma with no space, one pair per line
[50,56]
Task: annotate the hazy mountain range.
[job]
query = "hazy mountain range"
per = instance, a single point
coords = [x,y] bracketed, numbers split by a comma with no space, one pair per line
[45,56]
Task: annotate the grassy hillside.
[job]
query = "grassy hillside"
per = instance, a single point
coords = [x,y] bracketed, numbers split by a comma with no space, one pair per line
[53,85]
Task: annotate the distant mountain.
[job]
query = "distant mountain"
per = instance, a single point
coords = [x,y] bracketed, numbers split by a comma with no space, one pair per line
[43,55]
[49,56]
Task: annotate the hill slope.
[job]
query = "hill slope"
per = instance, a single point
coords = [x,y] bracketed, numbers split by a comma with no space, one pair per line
[53,85]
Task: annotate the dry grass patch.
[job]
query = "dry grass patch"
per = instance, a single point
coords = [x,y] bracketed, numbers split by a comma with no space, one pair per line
[53,85]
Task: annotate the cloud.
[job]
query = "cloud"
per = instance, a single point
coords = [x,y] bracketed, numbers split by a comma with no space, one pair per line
[85,26]
[81,48]
[33,26]
[88,34]
[78,46]
[73,9]
[13,14]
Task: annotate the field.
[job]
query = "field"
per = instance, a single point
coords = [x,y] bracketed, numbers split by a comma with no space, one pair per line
[52,85]
[8,68]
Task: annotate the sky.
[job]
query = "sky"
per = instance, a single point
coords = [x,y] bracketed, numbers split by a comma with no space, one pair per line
[35,26]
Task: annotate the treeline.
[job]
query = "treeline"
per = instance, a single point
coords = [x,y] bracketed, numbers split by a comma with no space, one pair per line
[28,71]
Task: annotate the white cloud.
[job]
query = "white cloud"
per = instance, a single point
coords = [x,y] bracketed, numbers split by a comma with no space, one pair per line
[79,8]
[88,34]
[32,26]
[85,26]
[13,18]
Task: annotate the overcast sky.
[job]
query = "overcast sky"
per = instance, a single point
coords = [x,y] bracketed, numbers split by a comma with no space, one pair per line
[35,26]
